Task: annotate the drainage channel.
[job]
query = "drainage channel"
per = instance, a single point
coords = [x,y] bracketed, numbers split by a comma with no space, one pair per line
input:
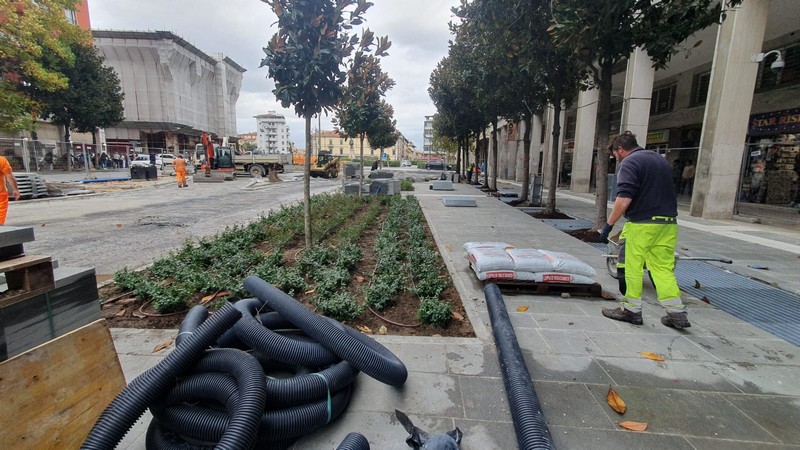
[773,310]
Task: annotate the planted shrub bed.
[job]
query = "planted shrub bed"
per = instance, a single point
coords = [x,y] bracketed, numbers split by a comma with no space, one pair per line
[373,264]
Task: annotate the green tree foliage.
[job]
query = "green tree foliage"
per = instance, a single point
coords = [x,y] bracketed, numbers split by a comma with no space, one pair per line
[367,83]
[602,33]
[92,98]
[31,33]
[382,132]
[305,59]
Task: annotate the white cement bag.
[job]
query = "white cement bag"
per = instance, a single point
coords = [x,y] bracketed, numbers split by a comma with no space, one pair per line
[566,263]
[529,260]
[494,275]
[552,277]
[489,259]
[501,245]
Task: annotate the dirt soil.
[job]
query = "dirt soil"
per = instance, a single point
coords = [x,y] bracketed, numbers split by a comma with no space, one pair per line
[123,310]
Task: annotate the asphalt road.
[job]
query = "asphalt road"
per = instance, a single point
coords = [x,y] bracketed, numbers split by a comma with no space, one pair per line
[133,228]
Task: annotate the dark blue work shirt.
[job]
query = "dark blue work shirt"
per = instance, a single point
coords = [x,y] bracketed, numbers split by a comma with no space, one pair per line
[645,177]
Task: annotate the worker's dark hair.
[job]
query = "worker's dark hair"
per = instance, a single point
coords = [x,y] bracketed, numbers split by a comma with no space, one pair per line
[626,140]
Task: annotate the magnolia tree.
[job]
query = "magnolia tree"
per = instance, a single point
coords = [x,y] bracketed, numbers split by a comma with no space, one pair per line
[305,59]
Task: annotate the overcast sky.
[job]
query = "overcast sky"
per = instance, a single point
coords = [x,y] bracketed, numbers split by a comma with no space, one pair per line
[240,29]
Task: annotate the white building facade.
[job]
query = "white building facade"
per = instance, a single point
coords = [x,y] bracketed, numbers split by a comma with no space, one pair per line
[272,133]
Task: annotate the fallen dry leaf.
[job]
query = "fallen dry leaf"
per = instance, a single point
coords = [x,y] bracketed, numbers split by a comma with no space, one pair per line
[162,345]
[119,225]
[449,248]
[522,309]
[364,329]
[310,291]
[606,295]
[138,315]
[457,316]
[121,313]
[634,426]
[44,224]
[615,401]
[359,278]
[208,298]
[652,356]
[383,329]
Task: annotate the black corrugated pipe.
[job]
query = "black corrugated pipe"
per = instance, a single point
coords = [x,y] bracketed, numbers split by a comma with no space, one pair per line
[160,438]
[354,441]
[363,352]
[197,315]
[154,383]
[277,346]
[529,423]
[208,424]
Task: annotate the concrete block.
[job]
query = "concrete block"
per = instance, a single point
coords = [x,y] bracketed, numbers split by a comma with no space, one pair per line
[385,187]
[380,174]
[442,185]
[351,188]
[458,201]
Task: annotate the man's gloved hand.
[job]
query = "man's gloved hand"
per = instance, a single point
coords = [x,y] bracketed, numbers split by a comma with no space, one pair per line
[605,232]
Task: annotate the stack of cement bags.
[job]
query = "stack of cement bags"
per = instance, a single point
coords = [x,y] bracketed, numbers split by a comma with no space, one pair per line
[498,261]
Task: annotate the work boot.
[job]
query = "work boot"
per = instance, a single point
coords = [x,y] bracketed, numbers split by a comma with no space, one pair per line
[623,315]
[677,320]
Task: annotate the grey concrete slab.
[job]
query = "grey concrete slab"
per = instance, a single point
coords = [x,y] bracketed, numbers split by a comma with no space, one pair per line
[683,412]
[423,393]
[628,344]
[575,323]
[571,405]
[763,378]
[485,399]
[568,342]
[481,435]
[724,444]
[735,349]
[472,360]
[569,368]
[778,415]
[421,357]
[575,438]
[667,374]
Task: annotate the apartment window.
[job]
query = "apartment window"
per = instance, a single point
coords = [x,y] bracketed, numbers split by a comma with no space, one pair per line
[569,127]
[790,74]
[663,100]
[700,89]
[615,117]
[72,16]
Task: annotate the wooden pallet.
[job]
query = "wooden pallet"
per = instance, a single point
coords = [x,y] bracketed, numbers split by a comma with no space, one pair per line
[26,277]
[532,287]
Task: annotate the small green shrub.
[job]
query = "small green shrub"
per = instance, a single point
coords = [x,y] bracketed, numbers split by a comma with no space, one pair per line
[434,311]
[406,185]
[289,280]
[340,306]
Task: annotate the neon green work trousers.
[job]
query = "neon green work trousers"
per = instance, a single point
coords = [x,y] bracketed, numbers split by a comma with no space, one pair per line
[652,244]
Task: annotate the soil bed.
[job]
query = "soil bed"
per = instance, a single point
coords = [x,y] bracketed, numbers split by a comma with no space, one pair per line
[124,310]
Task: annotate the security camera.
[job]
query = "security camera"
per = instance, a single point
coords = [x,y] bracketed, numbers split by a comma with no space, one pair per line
[777,65]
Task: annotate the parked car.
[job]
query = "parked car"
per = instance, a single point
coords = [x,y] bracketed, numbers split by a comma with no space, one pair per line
[437,164]
[405,163]
[144,161]
[166,159]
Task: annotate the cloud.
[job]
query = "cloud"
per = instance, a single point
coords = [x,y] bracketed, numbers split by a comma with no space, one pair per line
[240,29]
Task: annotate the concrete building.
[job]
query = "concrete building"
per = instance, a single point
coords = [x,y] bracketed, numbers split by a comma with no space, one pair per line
[427,136]
[728,105]
[340,145]
[173,90]
[272,133]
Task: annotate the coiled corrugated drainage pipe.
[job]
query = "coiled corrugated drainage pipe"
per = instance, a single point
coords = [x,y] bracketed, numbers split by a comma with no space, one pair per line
[529,423]
[354,441]
[153,384]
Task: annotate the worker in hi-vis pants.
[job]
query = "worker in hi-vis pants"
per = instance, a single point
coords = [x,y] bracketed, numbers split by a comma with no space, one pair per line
[646,197]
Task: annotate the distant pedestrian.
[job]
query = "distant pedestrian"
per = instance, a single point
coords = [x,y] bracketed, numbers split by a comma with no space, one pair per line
[646,197]
[116,158]
[796,202]
[687,178]
[677,174]
[180,170]
[470,169]
[8,180]
[375,165]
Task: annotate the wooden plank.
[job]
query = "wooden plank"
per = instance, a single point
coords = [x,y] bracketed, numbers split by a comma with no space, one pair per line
[53,394]
[26,277]
[22,262]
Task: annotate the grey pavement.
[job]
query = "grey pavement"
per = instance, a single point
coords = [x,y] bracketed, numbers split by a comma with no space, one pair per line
[724,383]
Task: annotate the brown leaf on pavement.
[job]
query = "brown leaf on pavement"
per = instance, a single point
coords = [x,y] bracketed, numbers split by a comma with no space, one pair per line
[633,426]
[615,401]
[522,309]
[121,313]
[162,345]
[119,225]
[364,329]
[448,247]
[652,356]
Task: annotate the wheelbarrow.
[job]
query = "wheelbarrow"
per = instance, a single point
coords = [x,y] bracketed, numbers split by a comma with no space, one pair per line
[616,252]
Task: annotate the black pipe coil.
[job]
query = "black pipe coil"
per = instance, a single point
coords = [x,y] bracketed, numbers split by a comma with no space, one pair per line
[277,346]
[144,390]
[363,352]
[196,316]
[529,423]
[160,438]
[354,441]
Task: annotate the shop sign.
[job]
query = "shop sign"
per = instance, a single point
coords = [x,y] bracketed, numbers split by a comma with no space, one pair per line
[778,122]
[657,137]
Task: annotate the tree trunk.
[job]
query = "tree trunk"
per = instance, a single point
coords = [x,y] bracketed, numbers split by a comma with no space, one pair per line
[552,182]
[68,145]
[458,160]
[526,154]
[478,147]
[495,165]
[600,142]
[361,158]
[307,184]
